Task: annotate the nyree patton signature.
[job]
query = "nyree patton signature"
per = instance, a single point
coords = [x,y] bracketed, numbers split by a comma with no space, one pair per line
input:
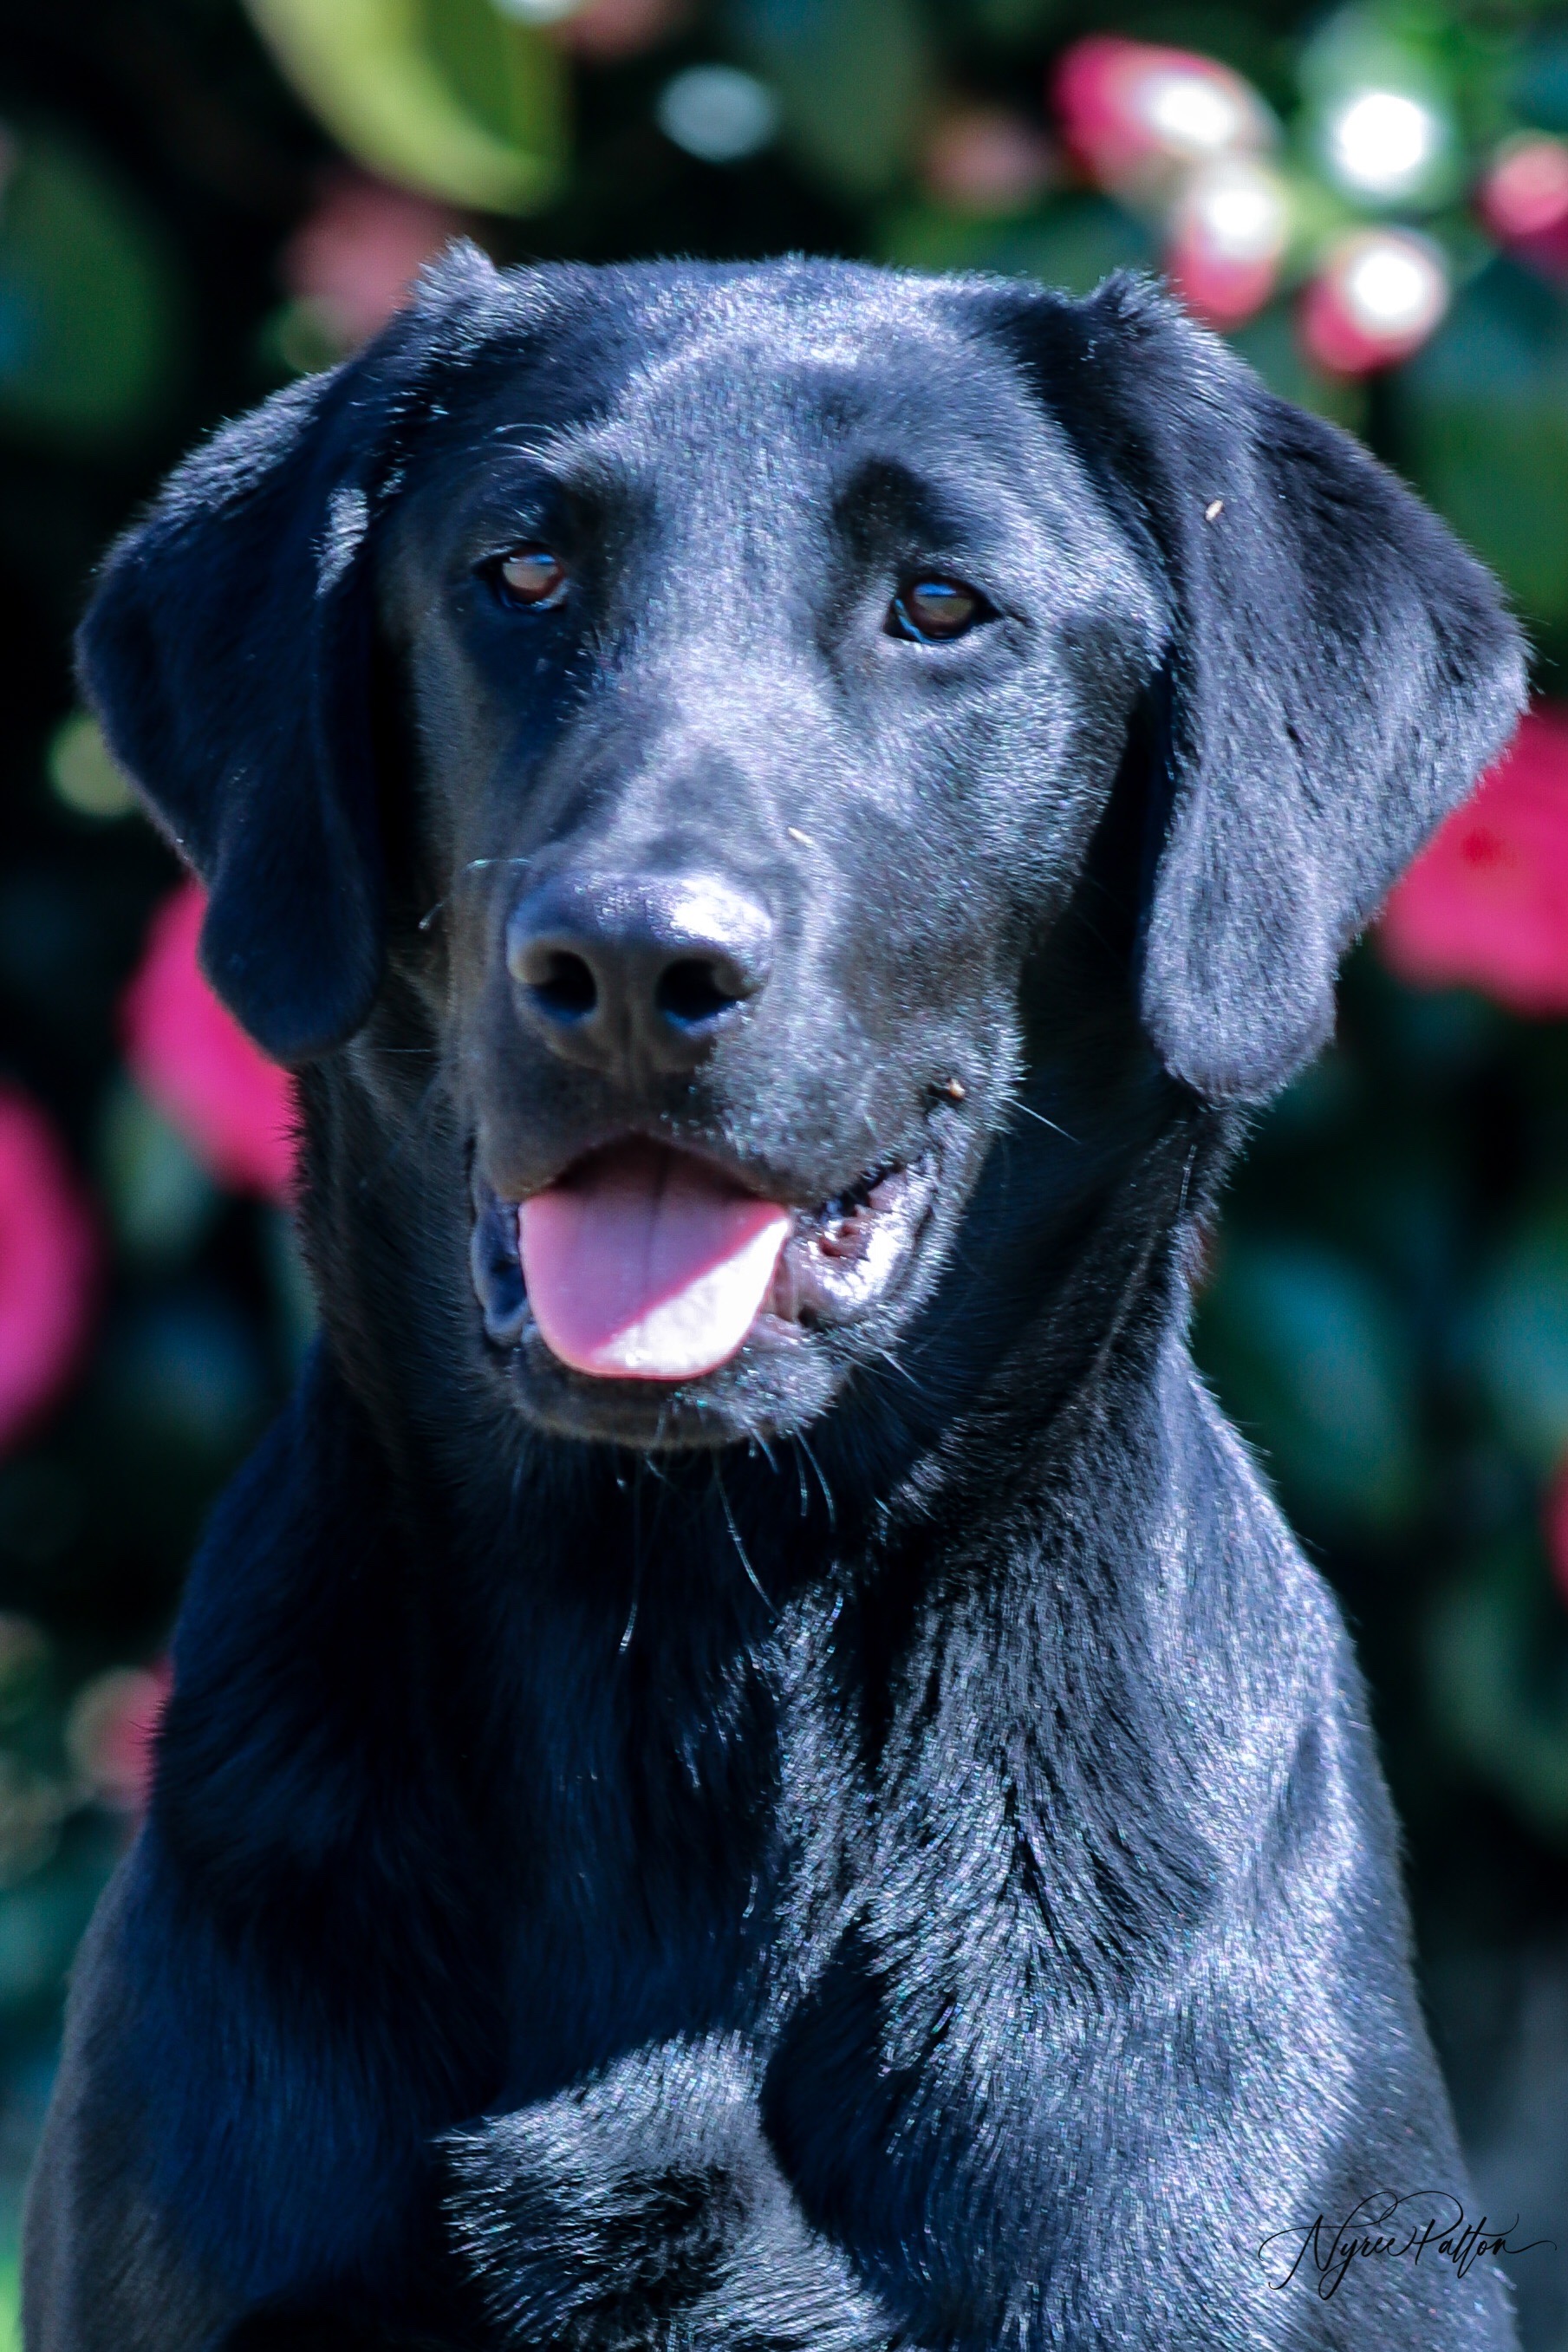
[1427,2223]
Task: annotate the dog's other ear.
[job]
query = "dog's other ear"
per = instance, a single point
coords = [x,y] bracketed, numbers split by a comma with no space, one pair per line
[227,653]
[1337,673]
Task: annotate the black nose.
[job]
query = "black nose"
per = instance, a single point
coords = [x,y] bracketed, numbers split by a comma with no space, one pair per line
[614,969]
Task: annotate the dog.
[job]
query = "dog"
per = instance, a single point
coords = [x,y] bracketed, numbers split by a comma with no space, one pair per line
[751,1763]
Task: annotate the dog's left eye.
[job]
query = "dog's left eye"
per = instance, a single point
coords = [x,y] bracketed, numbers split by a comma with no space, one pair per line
[932,611]
[533,577]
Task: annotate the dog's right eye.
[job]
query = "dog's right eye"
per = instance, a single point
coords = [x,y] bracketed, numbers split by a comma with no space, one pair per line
[533,578]
[932,612]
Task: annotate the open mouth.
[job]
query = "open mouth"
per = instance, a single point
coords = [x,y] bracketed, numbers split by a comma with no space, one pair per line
[645,1263]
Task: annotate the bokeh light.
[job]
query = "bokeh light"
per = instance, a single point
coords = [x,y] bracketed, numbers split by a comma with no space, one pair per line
[1377,297]
[717,114]
[1132,111]
[1384,143]
[1227,232]
[1523,200]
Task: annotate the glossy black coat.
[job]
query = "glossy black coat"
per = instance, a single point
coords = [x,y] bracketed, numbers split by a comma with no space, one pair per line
[881,1846]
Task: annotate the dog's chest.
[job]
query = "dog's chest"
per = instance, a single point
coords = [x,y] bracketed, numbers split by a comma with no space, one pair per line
[674,1854]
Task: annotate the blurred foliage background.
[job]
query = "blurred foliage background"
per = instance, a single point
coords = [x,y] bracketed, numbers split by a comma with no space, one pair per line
[200,199]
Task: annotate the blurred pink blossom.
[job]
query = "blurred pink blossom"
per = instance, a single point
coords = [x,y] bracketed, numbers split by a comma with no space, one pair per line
[49,1263]
[605,31]
[1523,201]
[354,258]
[1555,1526]
[986,161]
[112,1733]
[1377,296]
[1132,112]
[1486,906]
[1227,234]
[191,1057]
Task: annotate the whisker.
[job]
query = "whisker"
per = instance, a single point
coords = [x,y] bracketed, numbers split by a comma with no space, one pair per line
[399,1144]
[800,1478]
[886,1356]
[827,1491]
[1040,1117]
[740,1547]
[636,1558]
[1186,1180]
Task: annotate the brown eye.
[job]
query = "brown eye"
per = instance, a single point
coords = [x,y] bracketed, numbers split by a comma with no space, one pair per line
[932,611]
[532,576]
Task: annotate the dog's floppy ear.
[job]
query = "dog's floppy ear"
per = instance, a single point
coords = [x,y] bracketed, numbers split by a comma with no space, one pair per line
[226,655]
[1337,672]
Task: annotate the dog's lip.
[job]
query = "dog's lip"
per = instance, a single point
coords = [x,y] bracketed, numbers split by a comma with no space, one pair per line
[729,1170]
[843,1256]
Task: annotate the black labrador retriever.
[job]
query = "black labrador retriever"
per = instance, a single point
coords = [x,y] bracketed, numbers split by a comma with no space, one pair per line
[751,1763]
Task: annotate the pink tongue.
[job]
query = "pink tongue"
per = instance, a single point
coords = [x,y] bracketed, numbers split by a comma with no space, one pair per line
[644,1264]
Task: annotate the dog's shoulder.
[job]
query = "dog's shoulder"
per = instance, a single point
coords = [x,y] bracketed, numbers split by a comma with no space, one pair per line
[100,2273]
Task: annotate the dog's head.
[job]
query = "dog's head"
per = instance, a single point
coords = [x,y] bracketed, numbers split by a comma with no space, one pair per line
[698,691]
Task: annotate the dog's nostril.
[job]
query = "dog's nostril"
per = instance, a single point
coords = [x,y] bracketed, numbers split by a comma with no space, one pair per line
[698,989]
[635,972]
[564,986]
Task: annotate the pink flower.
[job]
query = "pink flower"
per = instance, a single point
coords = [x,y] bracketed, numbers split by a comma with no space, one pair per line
[49,1263]
[1523,201]
[605,31]
[112,1729]
[1132,112]
[1486,906]
[986,161]
[1228,231]
[357,253]
[1555,1526]
[192,1058]
[1377,297]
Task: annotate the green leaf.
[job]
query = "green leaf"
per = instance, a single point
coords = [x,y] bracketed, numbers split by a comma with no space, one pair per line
[82,773]
[1072,245]
[1483,417]
[1395,49]
[1522,1338]
[88,305]
[445,96]
[1539,84]
[1270,343]
[1497,1664]
[852,77]
[1316,1367]
[163,1201]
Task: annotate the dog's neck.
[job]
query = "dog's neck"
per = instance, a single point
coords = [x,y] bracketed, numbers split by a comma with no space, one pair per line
[574,1640]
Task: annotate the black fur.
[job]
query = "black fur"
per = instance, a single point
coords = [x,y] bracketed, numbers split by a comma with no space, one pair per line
[880,1845]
